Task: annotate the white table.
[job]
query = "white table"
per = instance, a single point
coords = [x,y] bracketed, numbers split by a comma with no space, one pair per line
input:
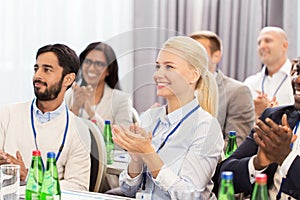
[121,159]
[80,195]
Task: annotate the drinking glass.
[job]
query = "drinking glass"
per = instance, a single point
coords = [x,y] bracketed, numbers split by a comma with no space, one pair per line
[10,182]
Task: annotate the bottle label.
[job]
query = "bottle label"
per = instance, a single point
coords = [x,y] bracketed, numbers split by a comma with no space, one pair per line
[110,153]
[35,197]
[56,197]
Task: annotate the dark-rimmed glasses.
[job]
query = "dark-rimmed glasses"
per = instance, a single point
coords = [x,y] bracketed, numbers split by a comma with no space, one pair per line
[97,64]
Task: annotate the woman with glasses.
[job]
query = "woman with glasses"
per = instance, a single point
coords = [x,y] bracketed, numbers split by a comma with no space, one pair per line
[96,95]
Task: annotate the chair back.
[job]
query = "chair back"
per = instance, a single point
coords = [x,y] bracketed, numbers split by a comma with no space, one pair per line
[98,158]
[135,115]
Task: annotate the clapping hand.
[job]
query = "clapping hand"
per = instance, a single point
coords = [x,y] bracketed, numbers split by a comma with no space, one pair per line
[6,158]
[137,142]
[273,140]
[82,98]
[261,102]
[134,140]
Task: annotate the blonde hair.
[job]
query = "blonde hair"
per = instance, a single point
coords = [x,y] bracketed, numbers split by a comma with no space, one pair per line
[195,54]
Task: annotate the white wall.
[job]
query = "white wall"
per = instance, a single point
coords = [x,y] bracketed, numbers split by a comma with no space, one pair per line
[31,24]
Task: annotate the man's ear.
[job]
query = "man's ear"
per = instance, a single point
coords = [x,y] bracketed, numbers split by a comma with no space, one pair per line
[216,57]
[69,79]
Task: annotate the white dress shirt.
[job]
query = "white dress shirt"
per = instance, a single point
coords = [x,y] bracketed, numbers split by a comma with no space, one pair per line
[269,84]
[190,155]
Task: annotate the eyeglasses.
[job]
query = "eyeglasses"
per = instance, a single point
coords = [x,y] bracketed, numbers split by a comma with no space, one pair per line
[97,64]
[295,70]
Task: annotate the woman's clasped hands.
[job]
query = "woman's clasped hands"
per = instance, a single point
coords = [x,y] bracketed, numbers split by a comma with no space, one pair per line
[83,97]
[137,142]
[135,139]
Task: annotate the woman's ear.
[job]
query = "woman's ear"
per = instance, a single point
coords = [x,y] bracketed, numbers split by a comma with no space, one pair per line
[195,76]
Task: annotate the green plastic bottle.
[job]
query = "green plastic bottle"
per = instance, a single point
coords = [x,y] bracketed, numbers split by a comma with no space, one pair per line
[50,188]
[109,144]
[231,145]
[260,191]
[35,177]
[226,191]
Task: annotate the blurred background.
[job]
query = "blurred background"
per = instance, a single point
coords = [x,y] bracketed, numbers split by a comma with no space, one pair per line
[136,29]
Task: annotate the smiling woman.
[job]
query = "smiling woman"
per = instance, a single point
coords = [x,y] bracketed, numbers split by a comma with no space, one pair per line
[96,96]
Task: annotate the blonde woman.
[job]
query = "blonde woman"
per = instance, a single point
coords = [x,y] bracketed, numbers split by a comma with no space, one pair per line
[177,146]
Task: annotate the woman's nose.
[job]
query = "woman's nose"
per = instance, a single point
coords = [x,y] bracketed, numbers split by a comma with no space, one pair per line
[159,72]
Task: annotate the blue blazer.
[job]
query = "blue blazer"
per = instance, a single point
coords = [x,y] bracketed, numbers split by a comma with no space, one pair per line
[238,162]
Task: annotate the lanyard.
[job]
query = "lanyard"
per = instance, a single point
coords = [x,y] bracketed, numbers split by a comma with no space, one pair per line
[174,129]
[278,196]
[279,86]
[166,139]
[65,133]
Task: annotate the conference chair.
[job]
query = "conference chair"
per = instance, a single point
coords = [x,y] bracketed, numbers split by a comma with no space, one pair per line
[98,158]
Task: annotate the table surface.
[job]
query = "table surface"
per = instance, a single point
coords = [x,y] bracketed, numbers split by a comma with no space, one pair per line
[80,195]
[121,159]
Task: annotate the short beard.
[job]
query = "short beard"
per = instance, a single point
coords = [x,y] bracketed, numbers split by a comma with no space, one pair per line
[50,93]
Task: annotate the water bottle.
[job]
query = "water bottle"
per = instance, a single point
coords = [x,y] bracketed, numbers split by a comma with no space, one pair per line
[109,144]
[35,177]
[231,145]
[50,186]
[226,190]
[260,191]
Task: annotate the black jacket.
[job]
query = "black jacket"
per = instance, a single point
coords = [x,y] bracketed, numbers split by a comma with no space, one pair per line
[238,162]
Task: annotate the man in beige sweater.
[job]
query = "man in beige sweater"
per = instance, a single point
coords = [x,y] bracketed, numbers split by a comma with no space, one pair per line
[45,123]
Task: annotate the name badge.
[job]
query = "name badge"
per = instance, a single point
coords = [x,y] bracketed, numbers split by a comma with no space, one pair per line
[143,195]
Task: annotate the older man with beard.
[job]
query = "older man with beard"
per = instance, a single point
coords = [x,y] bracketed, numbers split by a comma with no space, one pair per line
[45,123]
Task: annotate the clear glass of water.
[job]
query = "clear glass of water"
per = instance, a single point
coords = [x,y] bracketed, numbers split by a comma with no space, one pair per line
[10,182]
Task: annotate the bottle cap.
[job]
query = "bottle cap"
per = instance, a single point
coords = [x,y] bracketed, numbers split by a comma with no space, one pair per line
[36,153]
[227,175]
[107,122]
[232,133]
[50,155]
[261,178]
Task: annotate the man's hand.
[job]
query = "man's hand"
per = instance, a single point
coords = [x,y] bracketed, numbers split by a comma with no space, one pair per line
[19,161]
[261,102]
[4,158]
[273,140]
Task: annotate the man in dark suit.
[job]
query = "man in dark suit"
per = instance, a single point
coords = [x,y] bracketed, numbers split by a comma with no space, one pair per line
[272,148]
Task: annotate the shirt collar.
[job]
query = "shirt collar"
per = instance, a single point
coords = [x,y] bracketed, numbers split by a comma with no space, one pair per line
[285,68]
[178,114]
[47,116]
